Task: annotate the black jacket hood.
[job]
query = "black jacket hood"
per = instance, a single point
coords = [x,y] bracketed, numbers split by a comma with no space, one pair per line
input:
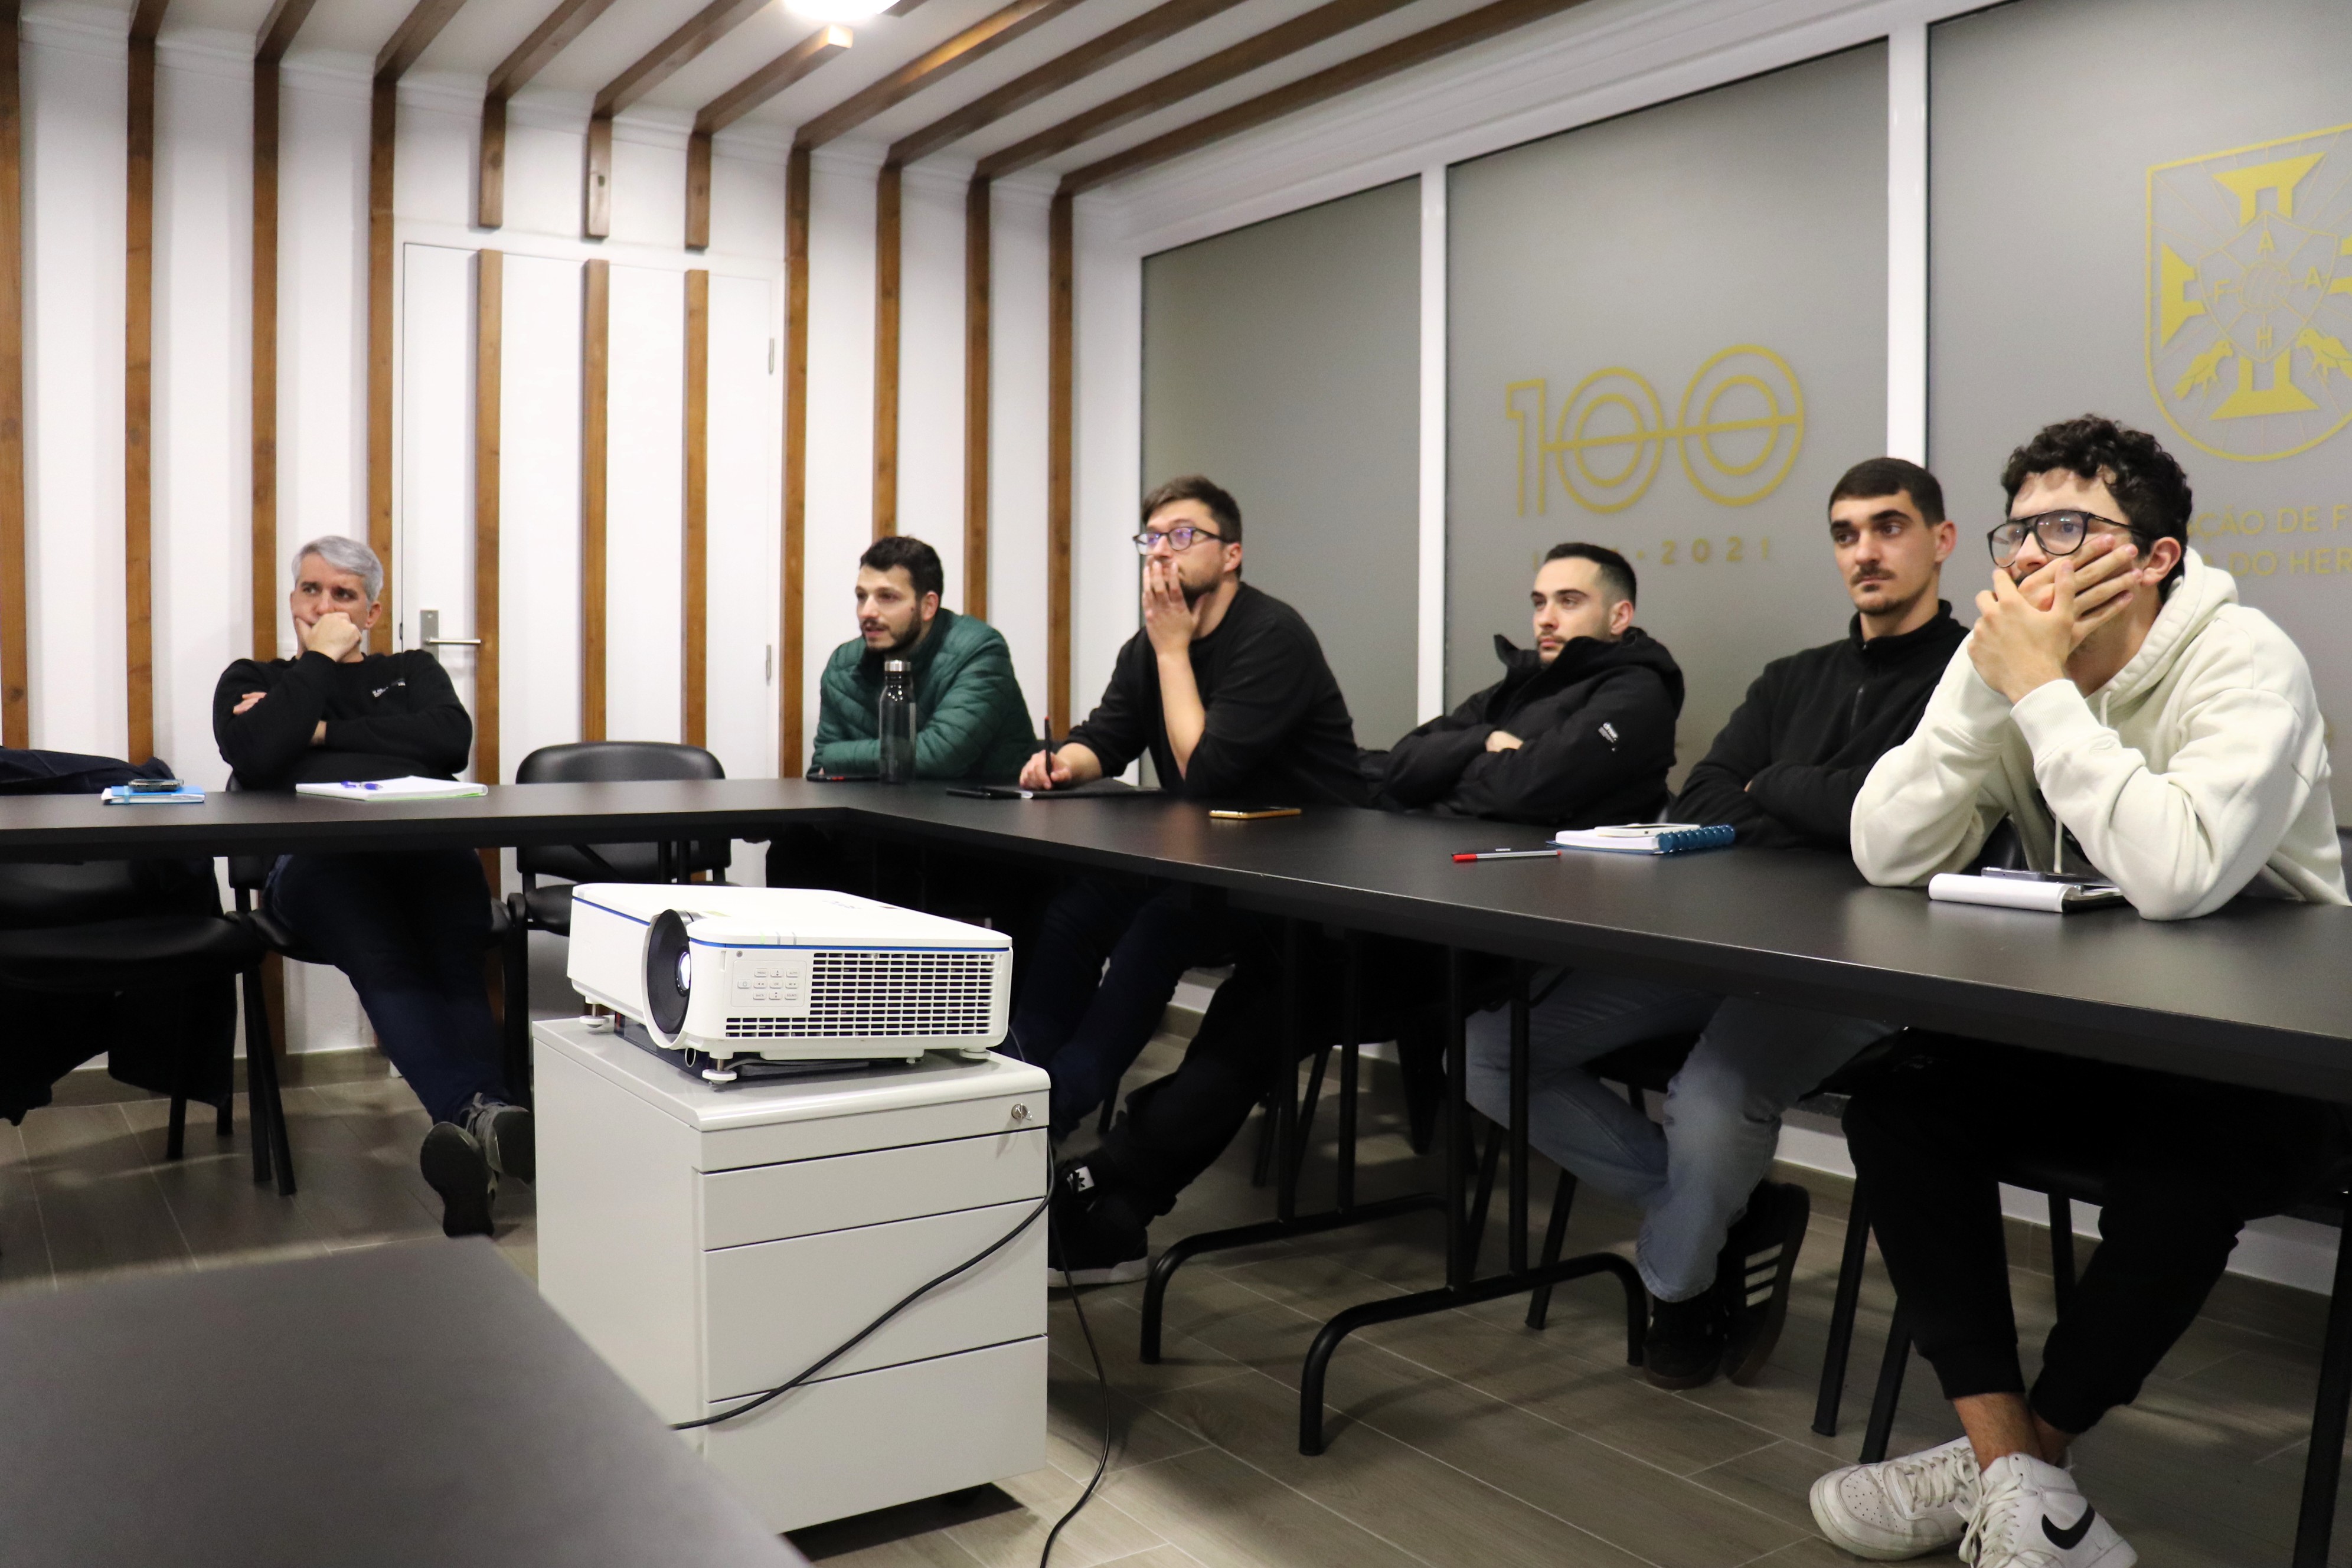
[1526,678]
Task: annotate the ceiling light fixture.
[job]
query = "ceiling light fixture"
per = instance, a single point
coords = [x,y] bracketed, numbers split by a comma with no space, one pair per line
[837,10]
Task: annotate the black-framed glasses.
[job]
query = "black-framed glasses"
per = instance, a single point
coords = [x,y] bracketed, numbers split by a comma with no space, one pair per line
[1183,536]
[2058,533]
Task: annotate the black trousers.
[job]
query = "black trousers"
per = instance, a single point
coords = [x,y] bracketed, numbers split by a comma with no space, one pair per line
[1174,1128]
[2183,1164]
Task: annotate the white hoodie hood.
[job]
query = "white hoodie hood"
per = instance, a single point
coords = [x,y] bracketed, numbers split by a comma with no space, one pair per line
[2200,772]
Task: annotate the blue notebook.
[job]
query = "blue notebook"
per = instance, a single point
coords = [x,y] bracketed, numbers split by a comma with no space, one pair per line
[1647,837]
[178,794]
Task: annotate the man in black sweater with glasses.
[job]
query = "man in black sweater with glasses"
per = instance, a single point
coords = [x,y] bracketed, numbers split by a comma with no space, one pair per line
[1227,690]
[408,929]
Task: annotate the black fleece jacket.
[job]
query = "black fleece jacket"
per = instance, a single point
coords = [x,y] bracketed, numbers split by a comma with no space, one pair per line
[1597,733]
[1278,732]
[388,715]
[1786,766]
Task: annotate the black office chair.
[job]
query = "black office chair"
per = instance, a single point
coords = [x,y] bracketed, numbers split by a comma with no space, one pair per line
[548,908]
[248,875]
[146,944]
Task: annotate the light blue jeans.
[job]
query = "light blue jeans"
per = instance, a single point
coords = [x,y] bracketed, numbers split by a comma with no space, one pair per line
[1692,1175]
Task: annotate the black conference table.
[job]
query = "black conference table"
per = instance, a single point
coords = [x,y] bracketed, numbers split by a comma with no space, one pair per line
[2259,993]
[387,1407]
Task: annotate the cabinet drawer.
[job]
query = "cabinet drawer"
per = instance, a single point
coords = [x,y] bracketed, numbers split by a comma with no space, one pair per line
[852,1445]
[770,1202]
[773,1309]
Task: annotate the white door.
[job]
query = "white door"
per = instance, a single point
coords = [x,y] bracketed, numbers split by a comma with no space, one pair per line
[433,531]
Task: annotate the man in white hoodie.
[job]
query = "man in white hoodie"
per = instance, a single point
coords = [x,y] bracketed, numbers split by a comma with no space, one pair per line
[2131,717]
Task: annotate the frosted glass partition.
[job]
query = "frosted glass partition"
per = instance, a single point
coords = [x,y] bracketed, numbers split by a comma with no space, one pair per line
[2145,209]
[1283,360]
[1668,334]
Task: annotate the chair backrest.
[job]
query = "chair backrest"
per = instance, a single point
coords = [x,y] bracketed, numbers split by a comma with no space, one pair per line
[43,894]
[616,762]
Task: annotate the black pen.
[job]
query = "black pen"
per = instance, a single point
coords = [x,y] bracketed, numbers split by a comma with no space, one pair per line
[1046,751]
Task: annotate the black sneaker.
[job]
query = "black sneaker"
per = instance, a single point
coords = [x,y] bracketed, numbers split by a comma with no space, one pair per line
[1685,1345]
[1754,1273]
[504,1131]
[456,1167]
[1094,1236]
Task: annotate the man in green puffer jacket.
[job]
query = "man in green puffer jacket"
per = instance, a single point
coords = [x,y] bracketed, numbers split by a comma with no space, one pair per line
[973,723]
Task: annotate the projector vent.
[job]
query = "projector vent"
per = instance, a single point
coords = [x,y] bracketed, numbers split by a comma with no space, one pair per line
[884,995]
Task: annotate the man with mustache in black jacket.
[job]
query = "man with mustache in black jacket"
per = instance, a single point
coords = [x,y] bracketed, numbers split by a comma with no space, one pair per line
[1579,731]
[1719,1242]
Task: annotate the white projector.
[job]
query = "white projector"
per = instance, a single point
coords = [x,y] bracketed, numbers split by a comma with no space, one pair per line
[788,974]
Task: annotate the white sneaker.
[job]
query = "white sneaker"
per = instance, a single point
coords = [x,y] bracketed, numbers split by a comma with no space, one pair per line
[1900,1508]
[2030,1515]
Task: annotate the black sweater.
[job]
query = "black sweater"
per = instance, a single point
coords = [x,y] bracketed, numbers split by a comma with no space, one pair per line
[1786,766]
[1597,733]
[388,715]
[1278,732]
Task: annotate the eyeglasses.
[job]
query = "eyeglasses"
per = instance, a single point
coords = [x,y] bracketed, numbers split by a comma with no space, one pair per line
[2059,533]
[1183,536]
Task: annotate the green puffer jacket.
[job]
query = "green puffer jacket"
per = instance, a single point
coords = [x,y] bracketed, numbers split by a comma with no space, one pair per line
[975,723]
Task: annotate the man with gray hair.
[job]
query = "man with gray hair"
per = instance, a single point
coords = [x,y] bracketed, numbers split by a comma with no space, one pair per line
[408,928]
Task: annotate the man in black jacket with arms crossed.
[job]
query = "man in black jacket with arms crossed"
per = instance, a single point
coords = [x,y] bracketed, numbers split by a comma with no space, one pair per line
[408,928]
[1579,731]
[1719,1242]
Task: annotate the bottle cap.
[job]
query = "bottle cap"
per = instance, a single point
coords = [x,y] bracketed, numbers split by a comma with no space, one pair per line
[894,667]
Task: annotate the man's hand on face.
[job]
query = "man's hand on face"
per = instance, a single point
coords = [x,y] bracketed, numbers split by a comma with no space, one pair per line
[333,634]
[1167,618]
[2026,631]
[1503,741]
[248,701]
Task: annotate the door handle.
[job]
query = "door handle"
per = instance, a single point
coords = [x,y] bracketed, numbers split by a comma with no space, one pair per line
[428,634]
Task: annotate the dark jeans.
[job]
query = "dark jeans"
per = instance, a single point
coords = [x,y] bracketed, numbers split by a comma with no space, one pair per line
[409,930]
[1174,1128]
[2184,1164]
[1107,959]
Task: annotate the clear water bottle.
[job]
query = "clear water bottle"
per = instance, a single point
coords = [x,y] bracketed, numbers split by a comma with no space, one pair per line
[898,723]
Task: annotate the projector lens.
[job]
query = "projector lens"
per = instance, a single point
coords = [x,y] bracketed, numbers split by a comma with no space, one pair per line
[684,970]
[669,975]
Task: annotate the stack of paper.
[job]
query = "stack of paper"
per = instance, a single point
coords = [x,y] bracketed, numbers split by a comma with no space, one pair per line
[410,788]
[2014,893]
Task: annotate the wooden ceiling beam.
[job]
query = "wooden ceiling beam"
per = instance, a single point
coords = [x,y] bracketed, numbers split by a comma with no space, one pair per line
[1162,22]
[667,58]
[1325,21]
[533,55]
[976,42]
[664,61]
[277,35]
[413,37]
[770,79]
[549,39]
[1416,48]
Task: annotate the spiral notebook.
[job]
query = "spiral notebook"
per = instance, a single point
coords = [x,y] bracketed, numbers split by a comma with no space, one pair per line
[1647,837]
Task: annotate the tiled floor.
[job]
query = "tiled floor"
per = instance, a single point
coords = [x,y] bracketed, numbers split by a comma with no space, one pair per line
[1464,1439]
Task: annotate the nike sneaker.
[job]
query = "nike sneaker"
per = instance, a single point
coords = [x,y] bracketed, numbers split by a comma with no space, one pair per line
[2029,1515]
[1900,1508]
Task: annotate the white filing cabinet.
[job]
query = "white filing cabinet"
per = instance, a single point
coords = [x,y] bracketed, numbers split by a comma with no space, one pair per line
[711,1243]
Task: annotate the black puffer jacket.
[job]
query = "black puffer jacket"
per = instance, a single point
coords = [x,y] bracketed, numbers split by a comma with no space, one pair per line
[1597,728]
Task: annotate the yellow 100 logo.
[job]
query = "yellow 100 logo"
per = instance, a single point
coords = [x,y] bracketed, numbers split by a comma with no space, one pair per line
[1737,432]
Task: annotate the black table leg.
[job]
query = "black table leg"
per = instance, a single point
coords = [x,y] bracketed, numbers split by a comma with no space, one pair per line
[1849,1297]
[1518,1248]
[1351,1029]
[2326,1461]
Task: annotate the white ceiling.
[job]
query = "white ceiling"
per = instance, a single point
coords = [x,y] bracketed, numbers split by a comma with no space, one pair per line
[485,31]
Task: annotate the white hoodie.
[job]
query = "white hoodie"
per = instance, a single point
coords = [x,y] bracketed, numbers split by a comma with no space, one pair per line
[2197,772]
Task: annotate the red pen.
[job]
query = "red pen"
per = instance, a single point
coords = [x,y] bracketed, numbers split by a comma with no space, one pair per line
[1506,855]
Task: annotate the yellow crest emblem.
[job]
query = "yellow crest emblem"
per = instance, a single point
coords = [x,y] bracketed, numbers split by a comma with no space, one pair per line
[2250,295]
